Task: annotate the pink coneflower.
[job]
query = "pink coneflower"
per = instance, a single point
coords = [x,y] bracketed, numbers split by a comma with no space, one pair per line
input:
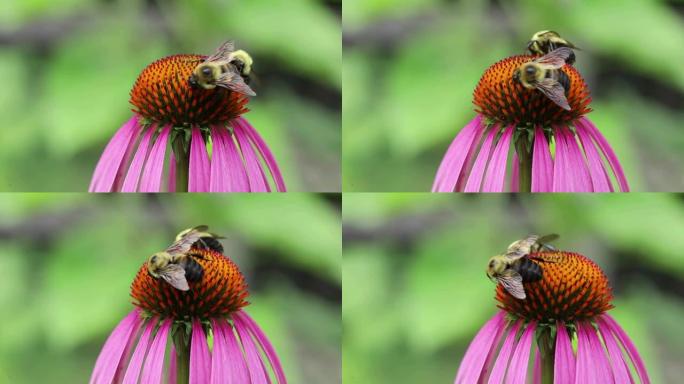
[185,138]
[567,305]
[520,140]
[202,335]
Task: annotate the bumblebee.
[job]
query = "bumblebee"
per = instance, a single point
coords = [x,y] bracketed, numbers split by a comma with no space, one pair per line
[226,68]
[175,266]
[544,74]
[544,42]
[516,267]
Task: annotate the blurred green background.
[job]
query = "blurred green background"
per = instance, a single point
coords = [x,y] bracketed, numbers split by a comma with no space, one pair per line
[415,291]
[410,68]
[67,262]
[67,68]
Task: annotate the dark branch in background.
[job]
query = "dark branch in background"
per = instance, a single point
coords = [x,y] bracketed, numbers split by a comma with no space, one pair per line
[41,230]
[630,267]
[43,34]
[334,6]
[385,35]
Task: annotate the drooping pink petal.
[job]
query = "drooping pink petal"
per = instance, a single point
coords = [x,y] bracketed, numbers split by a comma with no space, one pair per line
[483,156]
[238,174]
[542,164]
[238,365]
[515,174]
[264,343]
[581,181]
[136,362]
[154,166]
[108,167]
[454,159]
[493,352]
[470,158]
[241,123]
[501,364]
[564,361]
[219,362]
[219,162]
[607,152]
[257,372]
[478,350]
[255,174]
[154,363]
[617,360]
[537,369]
[586,366]
[110,357]
[200,359]
[517,370]
[172,173]
[200,168]
[496,170]
[561,169]
[599,176]
[130,184]
[599,356]
[629,347]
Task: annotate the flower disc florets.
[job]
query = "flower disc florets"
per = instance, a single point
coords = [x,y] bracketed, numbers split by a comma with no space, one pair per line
[221,291]
[163,94]
[501,98]
[572,288]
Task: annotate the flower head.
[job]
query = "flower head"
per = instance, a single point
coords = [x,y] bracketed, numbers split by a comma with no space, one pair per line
[210,336]
[521,140]
[567,304]
[212,148]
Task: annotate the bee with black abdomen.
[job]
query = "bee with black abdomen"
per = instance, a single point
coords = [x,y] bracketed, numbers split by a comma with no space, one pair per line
[516,266]
[545,75]
[225,68]
[544,42]
[175,265]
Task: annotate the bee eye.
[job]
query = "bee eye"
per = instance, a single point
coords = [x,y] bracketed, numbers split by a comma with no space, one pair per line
[153,259]
[531,70]
[491,264]
[206,71]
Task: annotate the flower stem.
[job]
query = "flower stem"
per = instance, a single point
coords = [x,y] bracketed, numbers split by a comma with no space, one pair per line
[182,343]
[182,164]
[525,158]
[547,352]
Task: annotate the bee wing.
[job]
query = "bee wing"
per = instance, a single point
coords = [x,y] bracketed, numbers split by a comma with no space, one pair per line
[223,52]
[555,59]
[547,239]
[183,244]
[234,82]
[199,228]
[521,248]
[174,274]
[512,282]
[554,91]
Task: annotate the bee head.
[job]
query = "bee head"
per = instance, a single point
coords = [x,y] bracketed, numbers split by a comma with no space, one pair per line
[495,266]
[156,262]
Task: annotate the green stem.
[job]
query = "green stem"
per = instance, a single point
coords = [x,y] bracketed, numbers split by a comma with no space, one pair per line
[182,356]
[547,352]
[525,159]
[182,164]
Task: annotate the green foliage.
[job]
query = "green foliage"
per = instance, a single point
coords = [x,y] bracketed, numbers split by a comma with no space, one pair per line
[415,291]
[410,70]
[68,261]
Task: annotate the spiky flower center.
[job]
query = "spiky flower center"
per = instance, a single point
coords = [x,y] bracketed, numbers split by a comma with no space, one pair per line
[221,291]
[163,94]
[502,98]
[572,288]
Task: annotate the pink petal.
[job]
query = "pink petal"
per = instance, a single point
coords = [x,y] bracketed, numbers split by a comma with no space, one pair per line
[257,178]
[478,350]
[561,169]
[599,356]
[627,344]
[586,364]
[499,370]
[118,341]
[227,171]
[241,123]
[200,168]
[496,171]
[238,367]
[454,159]
[517,371]
[111,161]
[200,359]
[257,372]
[154,364]
[152,175]
[265,344]
[130,184]
[607,152]
[492,355]
[564,365]
[515,174]
[477,172]
[542,164]
[578,166]
[135,364]
[618,363]
[599,177]
[219,361]
[238,177]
